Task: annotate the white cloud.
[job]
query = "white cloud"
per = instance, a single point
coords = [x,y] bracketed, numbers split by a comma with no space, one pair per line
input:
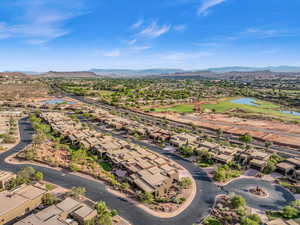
[209,44]
[132,41]
[180,28]
[263,33]
[154,30]
[269,51]
[112,53]
[41,21]
[183,56]
[207,4]
[140,48]
[137,25]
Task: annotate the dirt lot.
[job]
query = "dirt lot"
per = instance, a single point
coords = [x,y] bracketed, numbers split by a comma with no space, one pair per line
[277,132]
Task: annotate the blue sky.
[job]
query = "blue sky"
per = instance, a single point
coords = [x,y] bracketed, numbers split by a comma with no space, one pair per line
[62,35]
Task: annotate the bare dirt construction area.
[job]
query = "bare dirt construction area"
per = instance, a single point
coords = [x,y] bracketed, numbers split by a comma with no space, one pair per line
[22,90]
[274,131]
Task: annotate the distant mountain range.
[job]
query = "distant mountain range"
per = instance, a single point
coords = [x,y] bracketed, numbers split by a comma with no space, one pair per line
[129,72]
[159,71]
[145,72]
[246,69]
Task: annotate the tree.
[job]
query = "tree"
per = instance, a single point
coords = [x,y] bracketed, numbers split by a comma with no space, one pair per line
[146,197]
[246,138]
[238,201]
[125,186]
[212,221]
[39,139]
[8,139]
[105,219]
[30,153]
[104,216]
[185,182]
[101,208]
[271,167]
[248,221]
[268,144]
[220,133]
[187,151]
[290,212]
[49,199]
[255,218]
[25,175]
[205,157]
[38,176]
[220,175]
[114,213]
[76,192]
[295,203]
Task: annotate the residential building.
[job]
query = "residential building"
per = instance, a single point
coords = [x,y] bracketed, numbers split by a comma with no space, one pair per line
[147,170]
[67,212]
[19,202]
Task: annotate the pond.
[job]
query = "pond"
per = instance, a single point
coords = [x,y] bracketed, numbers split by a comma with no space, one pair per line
[252,102]
[291,112]
[57,101]
[245,101]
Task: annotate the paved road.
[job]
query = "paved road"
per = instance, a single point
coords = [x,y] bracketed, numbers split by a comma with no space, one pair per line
[199,208]
[155,120]
[278,196]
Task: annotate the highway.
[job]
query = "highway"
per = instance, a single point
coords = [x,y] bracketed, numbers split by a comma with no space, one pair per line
[288,152]
[199,208]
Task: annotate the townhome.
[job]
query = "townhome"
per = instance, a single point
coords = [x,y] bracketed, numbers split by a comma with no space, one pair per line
[224,154]
[67,212]
[19,202]
[255,159]
[182,139]
[147,170]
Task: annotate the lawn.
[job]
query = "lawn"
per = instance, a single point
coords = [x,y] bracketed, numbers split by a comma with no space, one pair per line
[263,107]
[105,93]
[177,108]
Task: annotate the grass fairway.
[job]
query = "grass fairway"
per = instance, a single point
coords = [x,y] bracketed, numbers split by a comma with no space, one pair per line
[262,107]
[105,93]
[224,106]
[177,108]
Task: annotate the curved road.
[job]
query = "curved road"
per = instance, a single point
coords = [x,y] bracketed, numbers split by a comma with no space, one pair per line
[277,199]
[199,208]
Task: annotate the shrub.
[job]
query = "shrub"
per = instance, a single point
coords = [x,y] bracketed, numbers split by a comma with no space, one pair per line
[248,221]
[224,173]
[212,221]
[30,153]
[185,182]
[238,201]
[290,212]
[49,199]
[77,192]
[146,197]
[74,167]
[50,187]
[241,211]
[38,176]
[8,139]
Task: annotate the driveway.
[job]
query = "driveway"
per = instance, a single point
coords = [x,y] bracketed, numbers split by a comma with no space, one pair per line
[199,208]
